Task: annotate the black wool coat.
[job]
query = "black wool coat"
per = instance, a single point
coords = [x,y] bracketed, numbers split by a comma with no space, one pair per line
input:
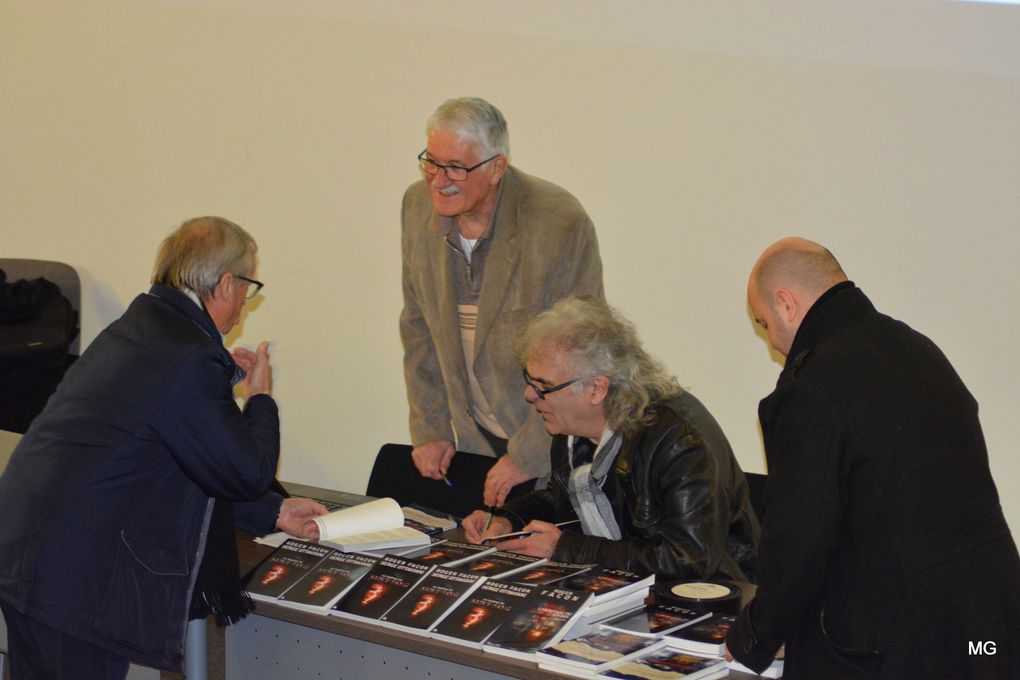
[885,553]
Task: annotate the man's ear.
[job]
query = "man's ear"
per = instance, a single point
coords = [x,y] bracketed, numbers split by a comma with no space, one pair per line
[224,287]
[499,166]
[784,303]
[600,389]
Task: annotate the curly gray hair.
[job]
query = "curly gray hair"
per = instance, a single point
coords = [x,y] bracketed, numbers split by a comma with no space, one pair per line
[595,339]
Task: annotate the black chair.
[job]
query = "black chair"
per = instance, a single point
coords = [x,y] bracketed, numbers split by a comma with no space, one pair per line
[756,491]
[39,335]
[59,273]
[395,475]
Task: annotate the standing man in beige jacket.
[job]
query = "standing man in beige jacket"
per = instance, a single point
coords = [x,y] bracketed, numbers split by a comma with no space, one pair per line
[485,248]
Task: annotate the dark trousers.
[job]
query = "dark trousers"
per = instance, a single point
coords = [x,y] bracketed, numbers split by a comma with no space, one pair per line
[38,652]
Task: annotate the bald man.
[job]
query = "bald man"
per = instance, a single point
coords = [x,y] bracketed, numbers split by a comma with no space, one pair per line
[884,552]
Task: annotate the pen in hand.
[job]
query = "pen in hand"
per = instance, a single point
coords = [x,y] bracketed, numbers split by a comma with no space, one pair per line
[488,520]
[524,534]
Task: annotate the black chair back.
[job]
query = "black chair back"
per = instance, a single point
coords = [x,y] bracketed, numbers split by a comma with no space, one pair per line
[395,475]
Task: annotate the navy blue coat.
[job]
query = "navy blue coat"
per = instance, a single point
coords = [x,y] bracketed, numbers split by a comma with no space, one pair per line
[884,553]
[107,498]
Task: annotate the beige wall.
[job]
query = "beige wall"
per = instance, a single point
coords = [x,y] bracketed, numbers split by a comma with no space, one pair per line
[694,133]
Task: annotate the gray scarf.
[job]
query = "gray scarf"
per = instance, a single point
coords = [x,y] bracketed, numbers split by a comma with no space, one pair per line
[585,488]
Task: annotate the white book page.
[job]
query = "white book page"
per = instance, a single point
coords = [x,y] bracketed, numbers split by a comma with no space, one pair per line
[377,515]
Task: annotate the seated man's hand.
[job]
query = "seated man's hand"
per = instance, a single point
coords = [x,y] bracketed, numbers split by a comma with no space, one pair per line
[502,477]
[296,517]
[541,543]
[474,526]
[433,459]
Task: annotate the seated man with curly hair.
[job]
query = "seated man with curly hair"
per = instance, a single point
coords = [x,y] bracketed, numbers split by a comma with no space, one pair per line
[638,460]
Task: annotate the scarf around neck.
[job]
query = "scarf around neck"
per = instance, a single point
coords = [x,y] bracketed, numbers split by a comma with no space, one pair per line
[587,496]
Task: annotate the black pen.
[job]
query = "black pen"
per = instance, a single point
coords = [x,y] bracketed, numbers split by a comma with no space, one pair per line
[525,534]
[488,520]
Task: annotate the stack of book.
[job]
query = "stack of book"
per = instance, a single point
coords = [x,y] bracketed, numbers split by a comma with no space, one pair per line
[614,592]
[285,567]
[660,640]
[484,611]
[667,662]
[707,636]
[541,619]
[454,553]
[327,582]
[546,573]
[656,620]
[590,654]
[578,619]
[620,639]
[386,583]
[431,600]
[500,564]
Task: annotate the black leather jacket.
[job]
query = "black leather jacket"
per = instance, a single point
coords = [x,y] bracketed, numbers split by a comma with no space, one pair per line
[678,494]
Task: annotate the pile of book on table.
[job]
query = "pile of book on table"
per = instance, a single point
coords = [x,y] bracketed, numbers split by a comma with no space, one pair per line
[578,619]
[463,593]
[660,641]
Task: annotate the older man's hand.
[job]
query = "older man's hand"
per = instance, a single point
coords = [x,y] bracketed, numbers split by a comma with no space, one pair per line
[433,459]
[296,517]
[502,477]
[258,378]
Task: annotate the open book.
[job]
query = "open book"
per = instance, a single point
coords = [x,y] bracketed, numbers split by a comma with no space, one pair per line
[375,525]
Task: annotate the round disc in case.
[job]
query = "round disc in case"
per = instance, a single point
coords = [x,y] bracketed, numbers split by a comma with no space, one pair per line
[703,595]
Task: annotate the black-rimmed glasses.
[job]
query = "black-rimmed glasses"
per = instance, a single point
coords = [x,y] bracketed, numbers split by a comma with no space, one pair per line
[456,173]
[542,391]
[253,286]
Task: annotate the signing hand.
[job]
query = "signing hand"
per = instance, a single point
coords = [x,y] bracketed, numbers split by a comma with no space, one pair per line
[541,543]
[296,517]
[502,477]
[433,459]
[474,526]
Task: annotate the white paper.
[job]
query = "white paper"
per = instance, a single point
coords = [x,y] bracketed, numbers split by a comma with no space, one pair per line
[377,515]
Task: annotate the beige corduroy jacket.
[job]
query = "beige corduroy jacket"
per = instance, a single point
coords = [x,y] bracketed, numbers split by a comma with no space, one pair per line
[543,249]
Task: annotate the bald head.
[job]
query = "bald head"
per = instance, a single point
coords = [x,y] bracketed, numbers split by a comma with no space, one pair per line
[797,263]
[785,282]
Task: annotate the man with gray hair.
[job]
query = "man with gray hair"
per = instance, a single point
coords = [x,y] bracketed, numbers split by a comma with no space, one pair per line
[485,247]
[637,459]
[119,503]
[885,553]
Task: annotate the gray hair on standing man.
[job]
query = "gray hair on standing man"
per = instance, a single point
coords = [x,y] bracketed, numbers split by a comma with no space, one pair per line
[475,120]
